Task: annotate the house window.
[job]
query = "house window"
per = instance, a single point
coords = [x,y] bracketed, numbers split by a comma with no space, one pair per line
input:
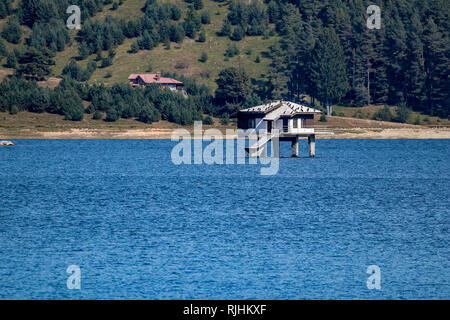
[251,123]
[295,120]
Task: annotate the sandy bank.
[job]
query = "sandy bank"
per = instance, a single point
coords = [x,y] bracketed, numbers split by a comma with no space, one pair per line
[354,133]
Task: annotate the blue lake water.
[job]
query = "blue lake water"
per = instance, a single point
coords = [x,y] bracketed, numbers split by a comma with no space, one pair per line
[141,227]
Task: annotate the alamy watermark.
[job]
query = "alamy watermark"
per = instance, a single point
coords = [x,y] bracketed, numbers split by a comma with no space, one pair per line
[74,21]
[74,280]
[213,153]
[374,19]
[374,280]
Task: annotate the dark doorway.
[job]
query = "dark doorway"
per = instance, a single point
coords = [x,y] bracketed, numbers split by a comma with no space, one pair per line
[285,124]
[269,126]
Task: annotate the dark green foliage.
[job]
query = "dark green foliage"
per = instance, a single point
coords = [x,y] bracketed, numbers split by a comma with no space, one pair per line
[198,4]
[328,70]
[233,86]
[34,62]
[112,115]
[32,11]
[238,34]
[225,119]
[14,110]
[11,31]
[11,60]
[406,60]
[5,8]
[191,24]
[83,51]
[202,36]
[226,28]
[383,115]
[206,17]
[52,35]
[3,50]
[134,47]
[232,50]
[203,57]
[72,106]
[176,33]
[97,115]
[402,113]
[323,118]
[76,72]
[208,120]
[251,17]
[106,62]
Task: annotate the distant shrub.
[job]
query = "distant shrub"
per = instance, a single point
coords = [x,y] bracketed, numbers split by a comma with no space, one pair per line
[417,120]
[238,34]
[134,47]
[206,17]
[226,28]
[112,115]
[257,59]
[323,118]
[198,4]
[203,57]
[383,115]
[97,115]
[11,60]
[106,62]
[108,75]
[225,119]
[232,50]
[14,109]
[248,51]
[402,113]
[208,120]
[12,31]
[148,116]
[202,36]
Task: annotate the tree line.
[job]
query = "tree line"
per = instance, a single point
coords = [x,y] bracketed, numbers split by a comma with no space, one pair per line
[109,103]
[327,52]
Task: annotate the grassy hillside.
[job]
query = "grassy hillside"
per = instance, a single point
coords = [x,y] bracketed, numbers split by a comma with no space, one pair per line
[186,53]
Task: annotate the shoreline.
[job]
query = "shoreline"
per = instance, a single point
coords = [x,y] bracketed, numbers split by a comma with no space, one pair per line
[164,134]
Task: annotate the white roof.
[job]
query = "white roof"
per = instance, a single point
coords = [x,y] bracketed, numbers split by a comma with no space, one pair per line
[276,109]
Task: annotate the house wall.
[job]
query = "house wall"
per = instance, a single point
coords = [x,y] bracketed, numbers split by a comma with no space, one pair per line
[260,124]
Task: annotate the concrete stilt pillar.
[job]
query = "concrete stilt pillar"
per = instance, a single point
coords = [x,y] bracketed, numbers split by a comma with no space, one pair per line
[294,147]
[312,145]
[275,148]
[263,152]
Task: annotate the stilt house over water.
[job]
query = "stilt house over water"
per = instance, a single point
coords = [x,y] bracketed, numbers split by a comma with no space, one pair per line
[283,119]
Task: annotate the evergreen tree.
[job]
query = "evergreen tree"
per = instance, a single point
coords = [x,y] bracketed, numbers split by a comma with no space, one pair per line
[35,62]
[12,31]
[328,69]
[226,28]
[202,36]
[198,4]
[436,54]
[3,50]
[11,60]
[232,86]
[206,17]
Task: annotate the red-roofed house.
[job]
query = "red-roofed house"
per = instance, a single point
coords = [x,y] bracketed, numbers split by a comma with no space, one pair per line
[145,79]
